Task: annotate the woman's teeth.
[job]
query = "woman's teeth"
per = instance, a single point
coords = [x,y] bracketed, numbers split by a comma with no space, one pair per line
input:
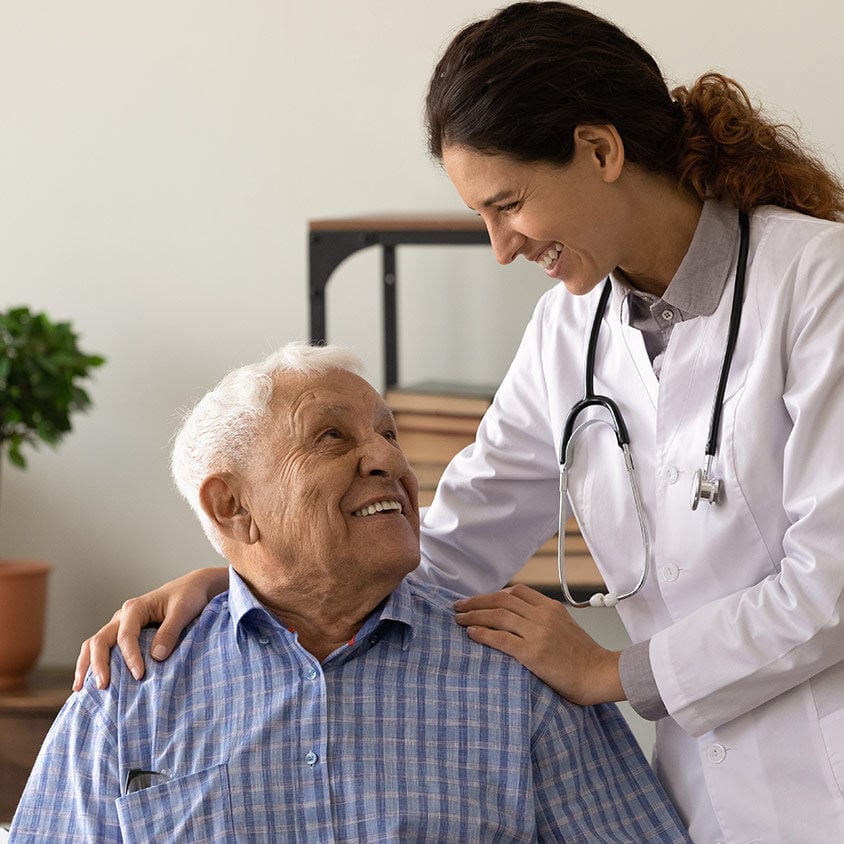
[378,507]
[547,260]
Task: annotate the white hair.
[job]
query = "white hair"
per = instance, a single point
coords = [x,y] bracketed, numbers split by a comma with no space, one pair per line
[219,433]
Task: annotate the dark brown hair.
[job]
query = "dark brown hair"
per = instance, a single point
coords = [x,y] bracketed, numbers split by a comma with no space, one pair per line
[519,82]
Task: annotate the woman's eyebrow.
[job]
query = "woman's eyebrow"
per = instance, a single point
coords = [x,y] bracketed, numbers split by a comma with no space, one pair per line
[497,197]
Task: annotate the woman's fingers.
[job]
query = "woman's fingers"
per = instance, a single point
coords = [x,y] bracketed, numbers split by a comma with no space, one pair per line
[512,597]
[95,654]
[541,633]
[82,663]
[174,605]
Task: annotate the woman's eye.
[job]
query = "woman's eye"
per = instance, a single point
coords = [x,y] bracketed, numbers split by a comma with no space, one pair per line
[510,206]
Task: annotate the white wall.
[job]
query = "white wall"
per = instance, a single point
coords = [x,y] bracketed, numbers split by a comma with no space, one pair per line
[159,162]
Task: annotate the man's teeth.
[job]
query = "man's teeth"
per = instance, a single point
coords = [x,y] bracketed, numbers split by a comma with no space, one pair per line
[548,259]
[378,507]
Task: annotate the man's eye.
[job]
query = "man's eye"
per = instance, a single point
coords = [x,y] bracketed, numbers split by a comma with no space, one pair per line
[390,435]
[331,434]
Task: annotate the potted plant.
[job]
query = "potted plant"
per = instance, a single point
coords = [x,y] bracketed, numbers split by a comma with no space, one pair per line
[41,366]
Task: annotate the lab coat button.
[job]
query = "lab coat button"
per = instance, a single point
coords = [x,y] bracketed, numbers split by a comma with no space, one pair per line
[671,474]
[670,572]
[716,753]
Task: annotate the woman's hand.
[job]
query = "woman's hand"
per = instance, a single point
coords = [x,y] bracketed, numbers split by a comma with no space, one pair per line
[175,605]
[541,634]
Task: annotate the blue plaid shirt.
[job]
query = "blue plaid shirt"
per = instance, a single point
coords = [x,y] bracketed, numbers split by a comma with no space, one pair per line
[411,732]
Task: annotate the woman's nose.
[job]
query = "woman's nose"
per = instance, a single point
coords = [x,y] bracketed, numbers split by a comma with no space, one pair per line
[506,244]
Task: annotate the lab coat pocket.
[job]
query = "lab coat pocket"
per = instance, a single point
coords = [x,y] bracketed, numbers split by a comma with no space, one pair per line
[196,807]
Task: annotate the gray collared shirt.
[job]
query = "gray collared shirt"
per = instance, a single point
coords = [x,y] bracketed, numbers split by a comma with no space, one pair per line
[694,291]
[696,287]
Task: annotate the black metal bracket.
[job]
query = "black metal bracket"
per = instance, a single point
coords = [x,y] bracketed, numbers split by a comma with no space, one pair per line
[330,242]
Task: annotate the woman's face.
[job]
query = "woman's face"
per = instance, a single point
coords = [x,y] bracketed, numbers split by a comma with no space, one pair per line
[566,218]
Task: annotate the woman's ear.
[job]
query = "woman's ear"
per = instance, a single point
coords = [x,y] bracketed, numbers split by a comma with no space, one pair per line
[221,500]
[603,146]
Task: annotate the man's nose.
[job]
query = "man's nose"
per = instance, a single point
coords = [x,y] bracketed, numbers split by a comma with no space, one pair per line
[382,456]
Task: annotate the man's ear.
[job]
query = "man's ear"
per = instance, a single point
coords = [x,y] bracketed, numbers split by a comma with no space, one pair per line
[602,143]
[220,498]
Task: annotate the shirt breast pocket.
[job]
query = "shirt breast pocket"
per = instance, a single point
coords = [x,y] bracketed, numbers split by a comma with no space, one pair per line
[196,807]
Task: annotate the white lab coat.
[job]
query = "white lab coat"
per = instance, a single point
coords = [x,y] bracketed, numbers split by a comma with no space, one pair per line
[744,604]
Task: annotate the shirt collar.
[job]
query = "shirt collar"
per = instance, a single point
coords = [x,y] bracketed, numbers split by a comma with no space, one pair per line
[700,279]
[398,609]
[242,602]
[243,606]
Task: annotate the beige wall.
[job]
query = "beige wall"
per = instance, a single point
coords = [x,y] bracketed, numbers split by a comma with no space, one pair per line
[158,165]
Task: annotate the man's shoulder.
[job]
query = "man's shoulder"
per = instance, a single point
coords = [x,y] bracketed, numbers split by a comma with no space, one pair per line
[434,616]
[214,612]
[438,599]
[201,631]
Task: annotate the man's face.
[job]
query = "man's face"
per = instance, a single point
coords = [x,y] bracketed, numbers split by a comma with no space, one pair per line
[333,496]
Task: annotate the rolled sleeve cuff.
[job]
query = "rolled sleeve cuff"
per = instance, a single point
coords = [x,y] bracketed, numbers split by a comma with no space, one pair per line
[638,682]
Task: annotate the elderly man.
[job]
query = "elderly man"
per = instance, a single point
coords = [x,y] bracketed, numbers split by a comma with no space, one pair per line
[327,696]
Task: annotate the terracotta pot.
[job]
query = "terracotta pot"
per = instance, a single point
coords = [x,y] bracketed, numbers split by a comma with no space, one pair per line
[23,599]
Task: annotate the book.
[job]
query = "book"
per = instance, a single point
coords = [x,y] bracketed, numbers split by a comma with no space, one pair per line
[432,446]
[428,474]
[438,397]
[446,423]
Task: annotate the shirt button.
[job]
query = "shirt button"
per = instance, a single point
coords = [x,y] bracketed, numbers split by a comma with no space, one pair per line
[716,753]
[670,572]
[264,640]
[671,474]
[311,758]
[311,673]
[668,314]
[374,639]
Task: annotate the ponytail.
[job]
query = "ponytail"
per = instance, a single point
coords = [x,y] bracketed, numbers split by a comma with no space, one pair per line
[730,151]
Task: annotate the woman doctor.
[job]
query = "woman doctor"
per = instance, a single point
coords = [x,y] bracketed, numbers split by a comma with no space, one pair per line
[559,131]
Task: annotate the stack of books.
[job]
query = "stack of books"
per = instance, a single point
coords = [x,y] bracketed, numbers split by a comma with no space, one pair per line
[434,422]
[437,420]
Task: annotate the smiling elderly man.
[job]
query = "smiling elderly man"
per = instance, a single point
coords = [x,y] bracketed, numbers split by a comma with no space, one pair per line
[327,696]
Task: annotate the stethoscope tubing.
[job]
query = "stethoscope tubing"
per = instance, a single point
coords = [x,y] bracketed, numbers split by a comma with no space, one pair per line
[591,399]
[732,337]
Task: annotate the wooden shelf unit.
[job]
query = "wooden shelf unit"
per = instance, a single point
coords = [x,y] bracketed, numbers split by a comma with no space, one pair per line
[25,717]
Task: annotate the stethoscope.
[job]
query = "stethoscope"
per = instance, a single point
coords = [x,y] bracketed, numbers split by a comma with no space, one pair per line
[704,486]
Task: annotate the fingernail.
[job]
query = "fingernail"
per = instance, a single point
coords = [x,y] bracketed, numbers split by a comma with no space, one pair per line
[159,652]
[136,671]
[99,681]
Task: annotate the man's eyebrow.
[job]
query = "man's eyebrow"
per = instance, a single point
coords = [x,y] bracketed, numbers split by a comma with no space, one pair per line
[385,414]
[328,413]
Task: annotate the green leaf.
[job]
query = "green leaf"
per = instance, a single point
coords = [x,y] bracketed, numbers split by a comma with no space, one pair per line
[41,366]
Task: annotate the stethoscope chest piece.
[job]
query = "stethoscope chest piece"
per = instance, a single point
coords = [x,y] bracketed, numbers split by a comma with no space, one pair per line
[705,488]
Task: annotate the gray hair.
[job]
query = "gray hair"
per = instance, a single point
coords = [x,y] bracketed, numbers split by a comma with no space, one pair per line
[220,432]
